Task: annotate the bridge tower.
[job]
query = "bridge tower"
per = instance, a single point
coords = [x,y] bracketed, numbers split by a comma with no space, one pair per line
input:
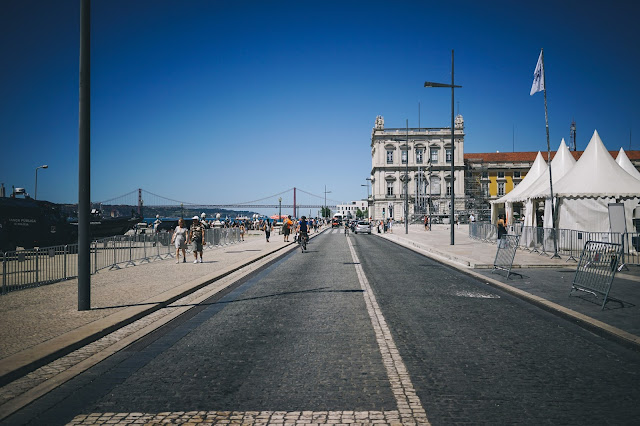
[294,202]
[139,201]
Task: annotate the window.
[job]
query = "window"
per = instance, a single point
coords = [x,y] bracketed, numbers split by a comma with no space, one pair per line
[435,185]
[485,189]
[500,188]
[419,153]
[404,156]
[500,175]
[389,157]
[434,155]
[516,175]
[485,175]
[448,188]
[448,155]
[389,188]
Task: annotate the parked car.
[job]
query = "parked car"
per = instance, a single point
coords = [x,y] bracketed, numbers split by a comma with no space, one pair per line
[363,227]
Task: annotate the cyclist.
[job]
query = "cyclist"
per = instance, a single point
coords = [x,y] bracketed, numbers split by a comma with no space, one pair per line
[346,227]
[303,229]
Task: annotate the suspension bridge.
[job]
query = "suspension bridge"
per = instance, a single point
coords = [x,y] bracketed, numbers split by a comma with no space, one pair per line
[293,198]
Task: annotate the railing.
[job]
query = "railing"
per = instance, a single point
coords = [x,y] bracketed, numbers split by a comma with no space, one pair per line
[570,242]
[23,269]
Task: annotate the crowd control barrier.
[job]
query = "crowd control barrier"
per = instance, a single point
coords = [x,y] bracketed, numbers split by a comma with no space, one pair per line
[505,254]
[597,267]
[569,242]
[22,269]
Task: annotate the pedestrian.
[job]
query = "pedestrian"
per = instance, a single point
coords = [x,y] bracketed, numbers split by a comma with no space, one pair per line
[179,238]
[472,218]
[242,229]
[196,238]
[502,230]
[267,229]
[426,223]
[286,228]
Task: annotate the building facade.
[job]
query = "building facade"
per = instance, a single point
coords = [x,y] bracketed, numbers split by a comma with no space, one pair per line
[491,175]
[426,154]
[349,211]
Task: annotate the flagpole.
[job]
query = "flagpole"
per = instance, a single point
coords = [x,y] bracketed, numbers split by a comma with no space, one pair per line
[546,119]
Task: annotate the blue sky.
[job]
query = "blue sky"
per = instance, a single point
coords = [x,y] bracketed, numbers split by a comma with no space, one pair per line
[227,101]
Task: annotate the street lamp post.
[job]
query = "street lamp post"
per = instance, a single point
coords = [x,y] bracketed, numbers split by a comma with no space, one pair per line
[406,186]
[35,194]
[324,213]
[429,203]
[452,86]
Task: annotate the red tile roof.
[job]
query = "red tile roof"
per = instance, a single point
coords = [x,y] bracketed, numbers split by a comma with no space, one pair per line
[519,157]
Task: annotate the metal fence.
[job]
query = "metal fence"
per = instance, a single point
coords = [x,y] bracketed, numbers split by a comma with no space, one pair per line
[46,265]
[505,254]
[570,242]
[597,267]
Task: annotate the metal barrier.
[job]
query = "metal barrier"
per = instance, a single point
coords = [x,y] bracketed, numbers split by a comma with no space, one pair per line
[597,267]
[570,242]
[505,254]
[23,269]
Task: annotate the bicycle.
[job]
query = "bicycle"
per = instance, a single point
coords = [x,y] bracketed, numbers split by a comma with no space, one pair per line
[302,240]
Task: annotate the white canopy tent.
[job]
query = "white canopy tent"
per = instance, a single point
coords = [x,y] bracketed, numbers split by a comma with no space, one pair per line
[624,162]
[584,193]
[539,168]
[561,164]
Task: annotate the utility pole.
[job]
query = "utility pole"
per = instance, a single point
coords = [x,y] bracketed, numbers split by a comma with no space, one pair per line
[84,158]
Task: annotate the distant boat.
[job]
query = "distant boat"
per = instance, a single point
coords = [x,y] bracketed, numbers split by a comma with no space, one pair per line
[28,223]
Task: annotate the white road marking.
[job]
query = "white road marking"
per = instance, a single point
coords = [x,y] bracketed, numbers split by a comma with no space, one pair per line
[409,405]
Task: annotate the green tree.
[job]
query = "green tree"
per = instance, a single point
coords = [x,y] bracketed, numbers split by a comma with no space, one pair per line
[359,213]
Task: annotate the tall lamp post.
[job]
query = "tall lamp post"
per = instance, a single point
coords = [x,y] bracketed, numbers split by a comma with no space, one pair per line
[35,195]
[452,86]
[429,203]
[324,213]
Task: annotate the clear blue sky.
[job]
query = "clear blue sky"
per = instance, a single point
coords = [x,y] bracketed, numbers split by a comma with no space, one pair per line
[227,101]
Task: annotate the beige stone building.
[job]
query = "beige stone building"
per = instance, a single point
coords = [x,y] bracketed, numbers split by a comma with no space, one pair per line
[426,154]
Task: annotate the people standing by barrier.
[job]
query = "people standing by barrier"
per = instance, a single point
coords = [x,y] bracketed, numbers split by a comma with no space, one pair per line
[242,231]
[426,223]
[502,230]
[179,238]
[196,238]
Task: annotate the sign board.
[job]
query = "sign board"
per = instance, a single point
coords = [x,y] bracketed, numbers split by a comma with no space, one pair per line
[617,220]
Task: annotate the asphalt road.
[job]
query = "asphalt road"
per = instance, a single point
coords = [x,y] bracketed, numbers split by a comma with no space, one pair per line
[308,334]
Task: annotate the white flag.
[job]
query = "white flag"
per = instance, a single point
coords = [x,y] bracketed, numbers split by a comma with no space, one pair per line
[538,77]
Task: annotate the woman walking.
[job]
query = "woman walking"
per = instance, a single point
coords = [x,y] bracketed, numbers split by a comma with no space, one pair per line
[180,240]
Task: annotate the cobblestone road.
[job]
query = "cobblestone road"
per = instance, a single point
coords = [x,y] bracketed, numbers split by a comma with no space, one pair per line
[356,331]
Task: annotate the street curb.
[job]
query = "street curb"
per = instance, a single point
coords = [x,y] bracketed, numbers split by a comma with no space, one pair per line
[602,329]
[23,362]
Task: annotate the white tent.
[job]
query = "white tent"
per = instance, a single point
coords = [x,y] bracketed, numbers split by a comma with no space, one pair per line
[624,162]
[586,190]
[538,169]
[561,164]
